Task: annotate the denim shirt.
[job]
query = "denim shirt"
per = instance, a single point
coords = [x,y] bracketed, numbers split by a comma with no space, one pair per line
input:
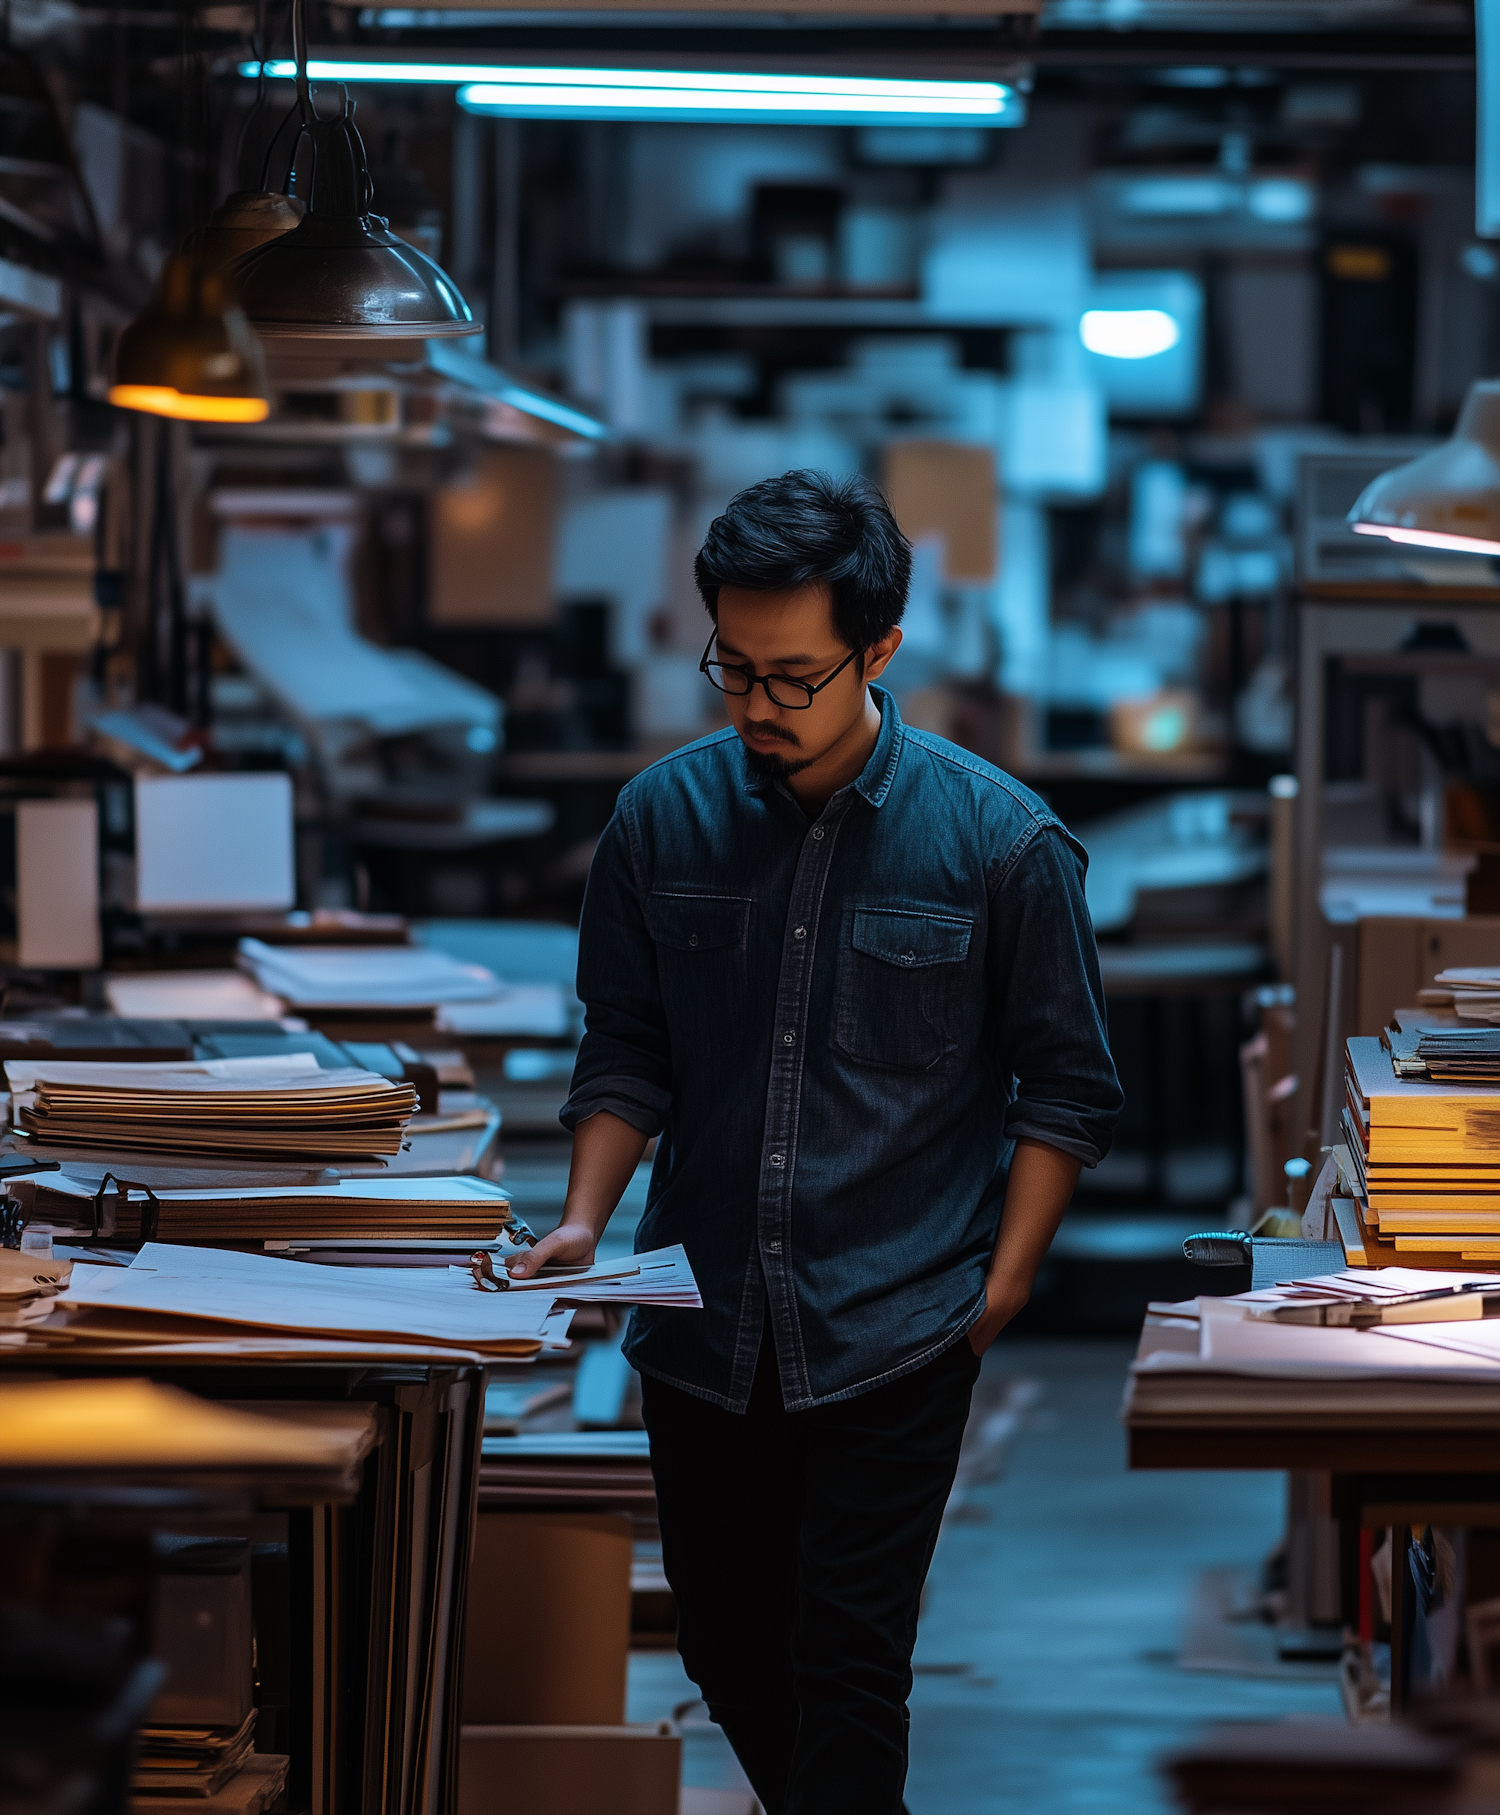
[838,1028]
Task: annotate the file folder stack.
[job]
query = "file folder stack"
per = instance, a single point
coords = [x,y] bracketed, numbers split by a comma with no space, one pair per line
[268,1109]
[419,1210]
[192,1761]
[178,1300]
[1422,1157]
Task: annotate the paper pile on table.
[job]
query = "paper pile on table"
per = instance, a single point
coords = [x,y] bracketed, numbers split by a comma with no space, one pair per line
[169,1293]
[1212,1360]
[365,976]
[277,1108]
[192,1761]
[1423,1162]
[260,1780]
[1474,991]
[461,1209]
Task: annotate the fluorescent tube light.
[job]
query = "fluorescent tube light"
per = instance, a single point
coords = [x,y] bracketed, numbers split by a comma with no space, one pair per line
[1128,333]
[635,94]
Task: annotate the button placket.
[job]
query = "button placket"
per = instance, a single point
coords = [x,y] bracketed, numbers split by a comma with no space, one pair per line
[784,1092]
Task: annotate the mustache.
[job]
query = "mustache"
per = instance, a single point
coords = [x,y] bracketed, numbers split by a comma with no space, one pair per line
[778,733]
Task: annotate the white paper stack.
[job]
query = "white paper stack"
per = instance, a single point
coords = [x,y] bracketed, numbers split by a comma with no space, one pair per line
[274,1108]
[661,1277]
[1213,1361]
[423,1306]
[1474,991]
[360,976]
[460,1209]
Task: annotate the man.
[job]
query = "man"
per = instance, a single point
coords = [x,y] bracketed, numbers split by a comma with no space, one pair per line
[843,971]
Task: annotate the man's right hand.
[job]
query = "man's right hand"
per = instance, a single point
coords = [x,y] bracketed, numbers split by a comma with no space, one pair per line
[569,1244]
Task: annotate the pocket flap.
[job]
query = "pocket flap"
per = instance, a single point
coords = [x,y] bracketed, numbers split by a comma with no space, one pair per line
[697,923]
[910,939]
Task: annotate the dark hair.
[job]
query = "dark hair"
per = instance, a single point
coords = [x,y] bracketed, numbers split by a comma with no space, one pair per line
[812,526]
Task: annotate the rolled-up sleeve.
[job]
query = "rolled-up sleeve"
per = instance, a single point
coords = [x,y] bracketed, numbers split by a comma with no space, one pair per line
[625,1061]
[1044,970]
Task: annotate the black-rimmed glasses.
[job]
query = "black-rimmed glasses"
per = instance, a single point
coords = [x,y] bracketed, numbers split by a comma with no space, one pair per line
[781,690]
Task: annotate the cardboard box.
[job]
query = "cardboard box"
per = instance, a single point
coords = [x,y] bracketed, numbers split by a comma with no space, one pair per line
[492,541]
[1397,955]
[547,1637]
[569,1770]
[947,489]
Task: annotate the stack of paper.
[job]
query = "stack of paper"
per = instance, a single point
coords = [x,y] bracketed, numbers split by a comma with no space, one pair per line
[278,1108]
[1423,1159]
[259,1781]
[1474,991]
[28,1284]
[1215,1361]
[190,995]
[1445,1055]
[375,1209]
[192,1761]
[662,1276]
[166,1288]
[356,976]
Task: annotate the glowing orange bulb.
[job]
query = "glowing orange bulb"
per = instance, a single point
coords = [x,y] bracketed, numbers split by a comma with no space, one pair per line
[187,406]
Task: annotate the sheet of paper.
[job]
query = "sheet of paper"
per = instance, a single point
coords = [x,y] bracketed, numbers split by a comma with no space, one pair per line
[661,1276]
[1241,1343]
[232,1287]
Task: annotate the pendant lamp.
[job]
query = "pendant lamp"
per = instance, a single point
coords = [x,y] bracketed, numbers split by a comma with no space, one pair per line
[245,220]
[189,354]
[1449,498]
[341,274]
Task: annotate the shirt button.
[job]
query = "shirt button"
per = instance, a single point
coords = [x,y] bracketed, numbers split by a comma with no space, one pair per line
[799,932]
[906,957]
[773,1247]
[778,1159]
[788,1039]
[817,831]
[692,938]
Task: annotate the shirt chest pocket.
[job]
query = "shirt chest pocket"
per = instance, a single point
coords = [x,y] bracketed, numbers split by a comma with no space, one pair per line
[901,989]
[697,923]
[700,963]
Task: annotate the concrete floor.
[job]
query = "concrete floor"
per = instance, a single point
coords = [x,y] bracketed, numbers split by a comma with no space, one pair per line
[1047,1679]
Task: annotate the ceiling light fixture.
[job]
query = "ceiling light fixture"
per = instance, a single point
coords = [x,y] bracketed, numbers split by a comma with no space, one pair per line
[553,93]
[189,354]
[340,273]
[1449,498]
[1128,333]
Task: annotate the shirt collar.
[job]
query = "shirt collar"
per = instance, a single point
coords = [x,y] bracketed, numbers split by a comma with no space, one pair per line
[875,780]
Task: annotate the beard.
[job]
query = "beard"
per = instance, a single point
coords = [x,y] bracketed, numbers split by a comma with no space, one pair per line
[772,766]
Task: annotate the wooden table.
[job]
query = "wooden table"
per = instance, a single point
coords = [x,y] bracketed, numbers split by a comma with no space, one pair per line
[1383,1477]
[365,1628]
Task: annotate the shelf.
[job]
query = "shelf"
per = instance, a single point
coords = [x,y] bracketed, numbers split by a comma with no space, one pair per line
[580,765]
[750,308]
[1395,592]
[1111,765]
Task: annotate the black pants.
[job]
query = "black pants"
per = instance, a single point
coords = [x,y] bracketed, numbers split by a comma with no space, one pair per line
[796,1545]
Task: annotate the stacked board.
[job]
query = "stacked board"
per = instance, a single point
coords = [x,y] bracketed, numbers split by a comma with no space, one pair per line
[1424,1162]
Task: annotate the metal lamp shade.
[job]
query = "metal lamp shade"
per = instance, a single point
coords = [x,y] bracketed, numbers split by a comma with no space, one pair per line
[243,221]
[1449,498]
[341,274]
[190,354]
